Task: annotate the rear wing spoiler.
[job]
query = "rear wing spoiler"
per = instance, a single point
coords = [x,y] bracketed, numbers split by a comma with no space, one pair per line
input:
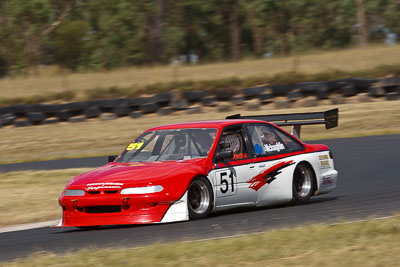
[329,117]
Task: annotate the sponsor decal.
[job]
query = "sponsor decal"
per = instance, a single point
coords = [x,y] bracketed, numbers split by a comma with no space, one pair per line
[327,181]
[97,186]
[324,162]
[322,157]
[277,147]
[268,175]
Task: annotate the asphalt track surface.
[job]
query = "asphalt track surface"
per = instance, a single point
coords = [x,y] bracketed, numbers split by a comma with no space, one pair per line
[369,186]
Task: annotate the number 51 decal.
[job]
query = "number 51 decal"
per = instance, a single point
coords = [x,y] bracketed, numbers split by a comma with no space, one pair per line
[226,183]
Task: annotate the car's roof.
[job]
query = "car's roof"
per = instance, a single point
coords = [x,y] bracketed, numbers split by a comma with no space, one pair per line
[204,124]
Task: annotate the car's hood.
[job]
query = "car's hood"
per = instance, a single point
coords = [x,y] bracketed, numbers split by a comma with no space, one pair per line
[118,175]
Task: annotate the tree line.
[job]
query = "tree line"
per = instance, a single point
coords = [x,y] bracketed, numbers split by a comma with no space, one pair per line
[98,34]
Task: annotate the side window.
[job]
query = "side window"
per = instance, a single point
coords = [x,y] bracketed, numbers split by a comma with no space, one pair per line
[268,140]
[290,143]
[233,140]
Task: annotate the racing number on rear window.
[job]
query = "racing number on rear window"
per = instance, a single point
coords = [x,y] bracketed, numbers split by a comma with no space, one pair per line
[226,185]
[134,146]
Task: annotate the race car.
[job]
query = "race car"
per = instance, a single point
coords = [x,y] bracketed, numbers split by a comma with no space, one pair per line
[185,171]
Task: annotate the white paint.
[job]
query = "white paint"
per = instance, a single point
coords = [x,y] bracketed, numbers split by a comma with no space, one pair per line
[221,181]
[178,211]
[21,227]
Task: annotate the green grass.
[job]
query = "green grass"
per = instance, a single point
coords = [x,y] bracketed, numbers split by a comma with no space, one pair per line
[52,86]
[100,138]
[370,243]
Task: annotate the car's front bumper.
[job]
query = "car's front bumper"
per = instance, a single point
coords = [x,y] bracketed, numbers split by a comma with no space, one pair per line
[114,210]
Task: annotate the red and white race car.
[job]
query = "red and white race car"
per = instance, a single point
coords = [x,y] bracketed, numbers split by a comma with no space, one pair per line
[185,171]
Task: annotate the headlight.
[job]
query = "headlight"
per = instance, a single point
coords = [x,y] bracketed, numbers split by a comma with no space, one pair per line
[142,190]
[74,192]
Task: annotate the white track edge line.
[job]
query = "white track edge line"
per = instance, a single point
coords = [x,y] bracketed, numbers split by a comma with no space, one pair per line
[28,226]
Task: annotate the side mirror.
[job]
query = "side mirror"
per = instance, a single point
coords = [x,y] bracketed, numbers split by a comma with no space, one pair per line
[111,158]
[223,155]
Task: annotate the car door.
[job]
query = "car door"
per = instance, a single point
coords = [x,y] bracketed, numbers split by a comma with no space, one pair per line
[231,175]
[275,163]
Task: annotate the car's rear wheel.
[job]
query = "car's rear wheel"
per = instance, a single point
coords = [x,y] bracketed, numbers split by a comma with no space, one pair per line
[303,184]
[200,198]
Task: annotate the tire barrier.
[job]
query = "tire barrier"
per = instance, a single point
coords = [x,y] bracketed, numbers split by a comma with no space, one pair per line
[136,114]
[348,91]
[51,109]
[253,92]
[107,105]
[281,90]
[163,99]
[36,117]
[77,119]
[194,96]
[149,107]
[122,111]
[376,91]
[393,96]
[222,100]
[22,123]
[295,95]
[362,84]
[63,115]
[224,94]
[92,112]
[265,98]
[309,88]
[323,93]
[7,119]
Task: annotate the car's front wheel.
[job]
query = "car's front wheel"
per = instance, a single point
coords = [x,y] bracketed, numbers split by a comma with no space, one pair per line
[200,198]
[303,184]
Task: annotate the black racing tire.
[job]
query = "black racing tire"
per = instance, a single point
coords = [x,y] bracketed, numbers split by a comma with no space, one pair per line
[200,198]
[303,184]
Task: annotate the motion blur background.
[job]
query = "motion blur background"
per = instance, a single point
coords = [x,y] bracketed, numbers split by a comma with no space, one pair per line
[100,34]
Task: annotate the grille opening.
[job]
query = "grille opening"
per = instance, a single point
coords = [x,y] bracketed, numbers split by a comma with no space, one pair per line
[103,209]
[110,191]
[79,209]
[93,192]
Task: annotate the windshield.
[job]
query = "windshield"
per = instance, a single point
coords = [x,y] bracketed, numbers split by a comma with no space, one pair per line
[175,144]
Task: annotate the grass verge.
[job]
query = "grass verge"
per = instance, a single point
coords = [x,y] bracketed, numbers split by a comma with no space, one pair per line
[98,137]
[50,85]
[370,243]
[31,196]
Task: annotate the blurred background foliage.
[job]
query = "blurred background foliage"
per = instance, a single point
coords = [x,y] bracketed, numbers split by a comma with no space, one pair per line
[103,34]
